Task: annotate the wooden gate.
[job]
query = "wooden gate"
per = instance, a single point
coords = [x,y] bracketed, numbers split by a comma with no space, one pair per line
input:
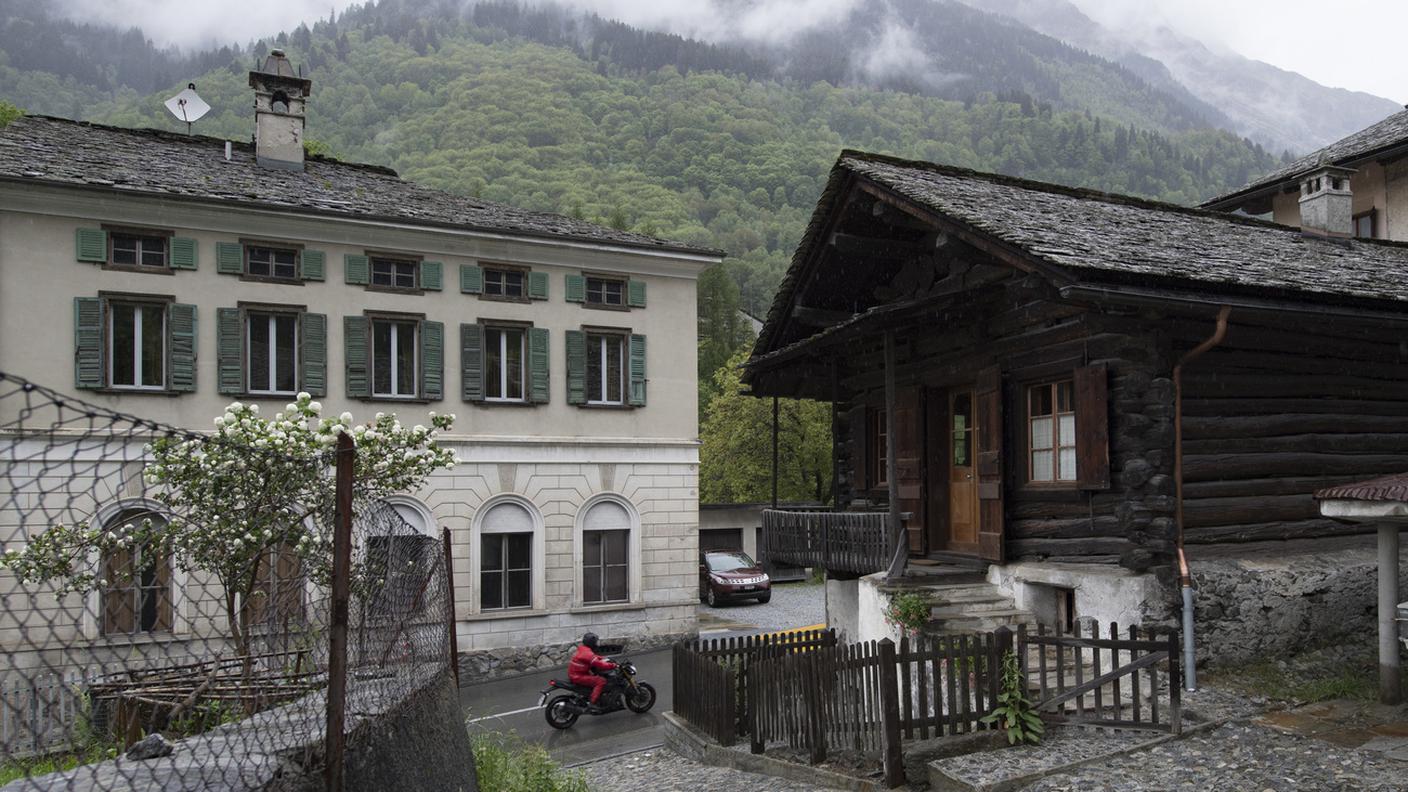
[1109,681]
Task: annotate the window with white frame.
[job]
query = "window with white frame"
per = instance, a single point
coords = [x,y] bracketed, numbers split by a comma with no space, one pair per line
[504,363]
[394,358]
[1051,420]
[271,344]
[606,368]
[606,538]
[506,558]
[136,345]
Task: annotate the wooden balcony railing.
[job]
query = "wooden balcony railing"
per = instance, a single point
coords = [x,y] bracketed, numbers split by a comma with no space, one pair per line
[856,542]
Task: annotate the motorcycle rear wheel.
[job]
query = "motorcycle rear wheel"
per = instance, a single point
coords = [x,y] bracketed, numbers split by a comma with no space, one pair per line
[559,712]
[642,698]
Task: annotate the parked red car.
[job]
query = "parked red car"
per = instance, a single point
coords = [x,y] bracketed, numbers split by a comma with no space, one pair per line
[730,575]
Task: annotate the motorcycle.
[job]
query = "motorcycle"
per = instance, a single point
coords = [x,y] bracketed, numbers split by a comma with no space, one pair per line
[563,702]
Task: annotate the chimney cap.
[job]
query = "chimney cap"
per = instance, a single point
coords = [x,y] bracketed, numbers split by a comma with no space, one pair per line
[278,70]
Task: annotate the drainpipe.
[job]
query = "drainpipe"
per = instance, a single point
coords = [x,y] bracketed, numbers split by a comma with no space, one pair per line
[1185,578]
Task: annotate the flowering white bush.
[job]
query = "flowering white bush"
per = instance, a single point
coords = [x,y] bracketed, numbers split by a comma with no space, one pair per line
[256,486]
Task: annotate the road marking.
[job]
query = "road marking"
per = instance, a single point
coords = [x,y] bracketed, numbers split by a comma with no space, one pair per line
[799,629]
[501,715]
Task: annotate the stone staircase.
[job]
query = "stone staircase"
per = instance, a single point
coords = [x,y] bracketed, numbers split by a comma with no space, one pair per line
[973,607]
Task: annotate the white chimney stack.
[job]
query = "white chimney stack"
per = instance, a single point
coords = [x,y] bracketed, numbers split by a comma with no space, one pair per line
[1326,203]
[280,105]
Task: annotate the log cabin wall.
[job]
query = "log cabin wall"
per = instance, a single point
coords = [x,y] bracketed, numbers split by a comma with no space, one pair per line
[1285,406]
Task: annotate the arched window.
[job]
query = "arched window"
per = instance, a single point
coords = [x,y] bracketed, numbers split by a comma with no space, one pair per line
[608,542]
[277,598]
[136,595]
[400,546]
[506,557]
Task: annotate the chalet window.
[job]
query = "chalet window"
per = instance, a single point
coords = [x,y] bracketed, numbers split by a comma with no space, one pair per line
[506,571]
[276,599]
[504,372]
[507,283]
[606,291]
[962,418]
[137,345]
[137,250]
[136,594]
[1051,425]
[606,368]
[271,342]
[390,273]
[394,358]
[1364,224]
[271,262]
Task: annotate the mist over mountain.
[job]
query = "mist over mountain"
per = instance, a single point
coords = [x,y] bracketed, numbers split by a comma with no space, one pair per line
[1275,107]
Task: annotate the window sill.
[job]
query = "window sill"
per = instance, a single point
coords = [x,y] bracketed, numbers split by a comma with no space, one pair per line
[397,399]
[245,276]
[506,403]
[525,299]
[607,406]
[507,613]
[111,391]
[394,290]
[283,397]
[162,270]
[605,307]
[607,607]
[137,639]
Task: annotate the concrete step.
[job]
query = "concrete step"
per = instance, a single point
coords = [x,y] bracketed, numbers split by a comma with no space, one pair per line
[985,621]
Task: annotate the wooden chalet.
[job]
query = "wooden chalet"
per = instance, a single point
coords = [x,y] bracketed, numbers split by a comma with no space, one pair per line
[1005,357]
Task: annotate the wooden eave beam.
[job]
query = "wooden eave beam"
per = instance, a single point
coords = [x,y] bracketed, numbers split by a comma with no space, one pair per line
[870,247]
[1004,252]
[819,317]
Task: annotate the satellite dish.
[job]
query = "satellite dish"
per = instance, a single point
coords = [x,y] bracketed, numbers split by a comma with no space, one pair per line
[188,106]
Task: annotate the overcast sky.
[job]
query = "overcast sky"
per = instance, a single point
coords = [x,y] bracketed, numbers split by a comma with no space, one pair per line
[1355,44]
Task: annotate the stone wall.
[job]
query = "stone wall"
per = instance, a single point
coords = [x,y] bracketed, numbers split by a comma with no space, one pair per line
[1273,600]
[517,660]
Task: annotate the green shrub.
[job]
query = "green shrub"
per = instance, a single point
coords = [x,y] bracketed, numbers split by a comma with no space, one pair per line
[1014,713]
[507,764]
[908,610]
[8,113]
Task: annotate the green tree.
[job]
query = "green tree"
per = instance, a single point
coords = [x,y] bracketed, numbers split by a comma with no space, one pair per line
[736,456]
[723,329]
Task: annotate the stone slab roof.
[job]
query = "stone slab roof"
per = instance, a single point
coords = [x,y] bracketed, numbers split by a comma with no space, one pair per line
[1096,236]
[1385,488]
[1387,134]
[50,150]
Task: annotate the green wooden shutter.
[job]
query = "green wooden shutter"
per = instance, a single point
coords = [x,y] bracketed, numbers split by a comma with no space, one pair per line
[637,369]
[472,362]
[229,351]
[312,266]
[432,360]
[576,288]
[181,347]
[538,392]
[313,353]
[576,366]
[88,343]
[635,293]
[471,279]
[184,253]
[229,258]
[91,245]
[431,275]
[537,285]
[357,268]
[355,358]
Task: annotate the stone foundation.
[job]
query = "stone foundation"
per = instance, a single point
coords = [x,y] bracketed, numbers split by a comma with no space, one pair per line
[1276,599]
[486,664]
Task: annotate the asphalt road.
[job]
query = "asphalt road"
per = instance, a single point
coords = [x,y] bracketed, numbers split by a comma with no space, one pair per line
[511,705]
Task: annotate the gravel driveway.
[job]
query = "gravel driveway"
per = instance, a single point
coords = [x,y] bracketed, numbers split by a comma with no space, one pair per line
[792,605]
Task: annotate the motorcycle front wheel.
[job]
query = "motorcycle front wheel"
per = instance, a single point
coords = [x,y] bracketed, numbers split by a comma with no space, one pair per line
[559,712]
[642,698]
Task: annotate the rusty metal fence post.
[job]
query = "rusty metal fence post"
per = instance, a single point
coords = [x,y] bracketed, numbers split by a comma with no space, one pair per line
[337,634]
[450,597]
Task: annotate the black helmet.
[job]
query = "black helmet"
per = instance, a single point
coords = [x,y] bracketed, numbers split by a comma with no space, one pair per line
[589,641]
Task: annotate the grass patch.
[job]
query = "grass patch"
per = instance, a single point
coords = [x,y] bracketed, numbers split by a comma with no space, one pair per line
[16,769]
[1306,682]
[507,764]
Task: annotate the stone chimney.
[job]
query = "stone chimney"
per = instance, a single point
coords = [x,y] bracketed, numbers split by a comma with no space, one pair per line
[280,104]
[1326,204]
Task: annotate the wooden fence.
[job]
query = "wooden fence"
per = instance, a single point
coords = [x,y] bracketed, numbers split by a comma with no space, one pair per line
[856,542]
[40,715]
[740,652]
[706,694]
[1109,681]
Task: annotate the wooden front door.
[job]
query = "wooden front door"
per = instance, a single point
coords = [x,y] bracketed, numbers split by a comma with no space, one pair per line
[962,472]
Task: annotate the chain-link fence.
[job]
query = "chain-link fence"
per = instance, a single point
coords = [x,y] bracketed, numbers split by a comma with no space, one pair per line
[180,610]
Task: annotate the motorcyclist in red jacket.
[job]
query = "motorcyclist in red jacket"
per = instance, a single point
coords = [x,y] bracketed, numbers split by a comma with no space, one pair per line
[585,666]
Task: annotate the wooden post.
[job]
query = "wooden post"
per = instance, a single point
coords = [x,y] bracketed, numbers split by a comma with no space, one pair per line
[835,447]
[1175,691]
[816,714]
[900,546]
[337,632]
[1390,666]
[890,716]
[450,601]
[774,452]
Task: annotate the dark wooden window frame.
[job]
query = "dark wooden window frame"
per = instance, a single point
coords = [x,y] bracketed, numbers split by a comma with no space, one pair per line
[522,297]
[1373,216]
[1028,472]
[296,247]
[504,571]
[120,230]
[588,277]
[1092,443]
[624,334]
[876,451]
[136,587]
[603,569]
[406,258]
